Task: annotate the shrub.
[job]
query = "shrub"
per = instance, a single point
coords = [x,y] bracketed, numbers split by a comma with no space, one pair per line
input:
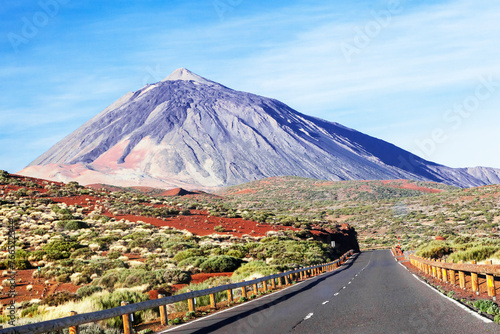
[221,263]
[73,225]
[194,261]
[434,250]
[185,254]
[219,228]
[64,278]
[254,267]
[487,306]
[88,290]
[110,300]
[478,253]
[56,250]
[59,298]
[134,277]
[30,311]
[176,276]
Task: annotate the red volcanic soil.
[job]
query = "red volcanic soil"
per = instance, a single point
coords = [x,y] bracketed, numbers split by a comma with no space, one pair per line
[199,278]
[405,184]
[204,224]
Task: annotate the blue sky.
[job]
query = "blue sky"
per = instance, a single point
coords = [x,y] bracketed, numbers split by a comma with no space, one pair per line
[422,75]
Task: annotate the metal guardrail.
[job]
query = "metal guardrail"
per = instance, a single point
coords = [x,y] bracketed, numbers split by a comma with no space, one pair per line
[80,319]
[446,271]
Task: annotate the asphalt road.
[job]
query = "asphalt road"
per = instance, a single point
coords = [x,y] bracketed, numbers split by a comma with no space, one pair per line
[371,293]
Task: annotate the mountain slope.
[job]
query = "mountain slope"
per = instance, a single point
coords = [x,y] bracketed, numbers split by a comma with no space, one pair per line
[190,132]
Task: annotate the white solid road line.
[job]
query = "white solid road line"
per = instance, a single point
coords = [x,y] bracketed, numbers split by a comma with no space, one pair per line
[486,320]
[308,316]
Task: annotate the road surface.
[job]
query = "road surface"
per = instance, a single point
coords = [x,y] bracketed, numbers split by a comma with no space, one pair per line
[372,293]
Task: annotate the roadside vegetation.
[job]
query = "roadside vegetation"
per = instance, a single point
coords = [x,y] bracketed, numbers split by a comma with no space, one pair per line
[108,260]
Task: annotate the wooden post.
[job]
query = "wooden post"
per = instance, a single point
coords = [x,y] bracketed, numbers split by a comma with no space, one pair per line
[474,280]
[127,326]
[264,286]
[191,305]
[213,302]
[490,283]
[461,277]
[255,289]
[286,280]
[163,312]
[273,283]
[433,271]
[445,278]
[291,278]
[244,290]
[229,295]
[73,329]
[279,282]
[451,273]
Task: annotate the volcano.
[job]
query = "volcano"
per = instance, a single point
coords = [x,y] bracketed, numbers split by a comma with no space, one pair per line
[190,132]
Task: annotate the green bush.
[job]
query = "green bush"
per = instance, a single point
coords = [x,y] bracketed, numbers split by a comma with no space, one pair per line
[478,253]
[73,225]
[434,250]
[30,311]
[220,264]
[110,300]
[59,298]
[194,261]
[487,306]
[254,267]
[56,250]
[185,254]
[88,290]
[64,278]
[133,277]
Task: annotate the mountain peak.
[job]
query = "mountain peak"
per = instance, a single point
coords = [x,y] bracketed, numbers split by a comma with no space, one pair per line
[186,75]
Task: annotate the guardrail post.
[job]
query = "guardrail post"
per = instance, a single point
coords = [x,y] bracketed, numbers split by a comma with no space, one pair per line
[191,305]
[439,272]
[461,277]
[72,329]
[474,280]
[127,326]
[255,289]
[163,312]
[490,282]
[244,290]
[433,271]
[279,282]
[213,302]
[453,279]
[445,278]
[273,284]
[264,286]
[286,280]
[229,295]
